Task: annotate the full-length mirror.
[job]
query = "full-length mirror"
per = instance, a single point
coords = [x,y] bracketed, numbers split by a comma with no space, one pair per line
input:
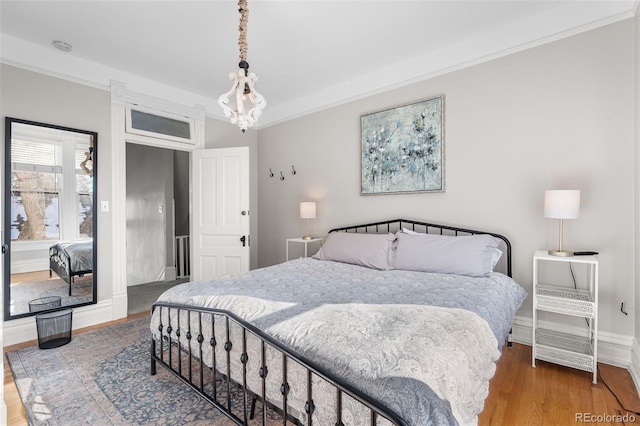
[50,245]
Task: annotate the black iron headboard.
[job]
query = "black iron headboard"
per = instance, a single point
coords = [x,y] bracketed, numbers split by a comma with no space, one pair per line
[395,225]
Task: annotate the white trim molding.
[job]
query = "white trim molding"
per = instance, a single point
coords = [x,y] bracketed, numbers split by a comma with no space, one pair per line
[24,329]
[29,265]
[120,98]
[119,198]
[634,369]
[563,21]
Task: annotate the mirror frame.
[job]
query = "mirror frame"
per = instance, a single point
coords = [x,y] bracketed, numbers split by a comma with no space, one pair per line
[6,243]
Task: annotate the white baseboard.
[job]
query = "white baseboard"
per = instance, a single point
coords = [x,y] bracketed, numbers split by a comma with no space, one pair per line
[29,265]
[613,348]
[119,308]
[24,329]
[634,369]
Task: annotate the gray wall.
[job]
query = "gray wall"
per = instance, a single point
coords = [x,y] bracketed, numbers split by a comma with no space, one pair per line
[149,231]
[552,117]
[37,97]
[181,191]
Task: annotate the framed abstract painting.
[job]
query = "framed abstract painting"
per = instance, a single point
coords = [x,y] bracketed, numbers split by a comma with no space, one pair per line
[402,149]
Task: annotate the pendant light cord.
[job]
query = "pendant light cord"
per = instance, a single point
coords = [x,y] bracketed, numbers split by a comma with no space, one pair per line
[243,8]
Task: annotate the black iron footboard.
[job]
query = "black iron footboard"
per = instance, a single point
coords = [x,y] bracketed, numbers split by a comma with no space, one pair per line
[60,263]
[184,336]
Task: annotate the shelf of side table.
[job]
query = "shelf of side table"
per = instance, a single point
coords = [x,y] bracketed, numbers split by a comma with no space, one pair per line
[564,349]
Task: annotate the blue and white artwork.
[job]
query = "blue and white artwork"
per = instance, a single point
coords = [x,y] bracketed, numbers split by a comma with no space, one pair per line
[403,149]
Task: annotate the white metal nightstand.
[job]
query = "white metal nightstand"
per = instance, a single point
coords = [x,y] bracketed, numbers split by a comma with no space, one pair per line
[562,348]
[303,241]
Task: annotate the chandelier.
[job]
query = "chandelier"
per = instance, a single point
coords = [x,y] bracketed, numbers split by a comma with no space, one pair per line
[243,83]
[87,164]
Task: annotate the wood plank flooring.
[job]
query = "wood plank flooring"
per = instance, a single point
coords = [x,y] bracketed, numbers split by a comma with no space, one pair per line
[518,394]
[554,395]
[28,277]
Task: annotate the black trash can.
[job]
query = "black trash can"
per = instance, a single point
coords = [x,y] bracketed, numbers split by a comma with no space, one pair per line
[54,328]
[45,303]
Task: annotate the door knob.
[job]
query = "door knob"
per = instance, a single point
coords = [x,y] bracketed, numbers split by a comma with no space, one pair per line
[5,247]
[243,212]
[243,240]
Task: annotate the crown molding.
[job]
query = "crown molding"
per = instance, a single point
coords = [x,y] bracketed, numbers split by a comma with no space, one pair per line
[535,31]
[558,23]
[44,60]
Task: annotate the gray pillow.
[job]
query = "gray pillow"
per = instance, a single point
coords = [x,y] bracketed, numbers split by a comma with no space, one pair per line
[371,250]
[473,255]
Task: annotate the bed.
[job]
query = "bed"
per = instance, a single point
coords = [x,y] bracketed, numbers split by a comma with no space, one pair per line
[347,337]
[69,259]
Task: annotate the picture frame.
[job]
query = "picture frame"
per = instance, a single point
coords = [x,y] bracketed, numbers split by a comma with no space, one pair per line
[402,149]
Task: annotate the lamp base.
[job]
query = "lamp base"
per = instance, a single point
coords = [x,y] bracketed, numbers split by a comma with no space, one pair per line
[560,253]
[307,237]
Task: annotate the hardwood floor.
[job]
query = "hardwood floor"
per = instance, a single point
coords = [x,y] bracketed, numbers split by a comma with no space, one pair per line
[518,394]
[27,277]
[553,395]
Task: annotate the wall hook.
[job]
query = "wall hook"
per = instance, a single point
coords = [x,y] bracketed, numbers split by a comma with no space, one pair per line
[293,171]
[270,172]
[281,176]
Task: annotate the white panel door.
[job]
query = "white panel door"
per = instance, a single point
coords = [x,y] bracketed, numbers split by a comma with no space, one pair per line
[220,225]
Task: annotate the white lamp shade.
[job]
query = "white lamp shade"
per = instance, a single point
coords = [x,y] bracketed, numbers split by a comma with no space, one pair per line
[562,204]
[308,210]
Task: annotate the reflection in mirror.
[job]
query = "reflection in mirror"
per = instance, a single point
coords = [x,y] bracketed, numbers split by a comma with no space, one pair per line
[50,181]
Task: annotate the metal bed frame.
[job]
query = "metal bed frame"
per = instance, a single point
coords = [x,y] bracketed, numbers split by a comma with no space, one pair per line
[60,263]
[188,366]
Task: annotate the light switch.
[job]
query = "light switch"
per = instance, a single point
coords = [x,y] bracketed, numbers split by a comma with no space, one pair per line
[104,206]
[161,208]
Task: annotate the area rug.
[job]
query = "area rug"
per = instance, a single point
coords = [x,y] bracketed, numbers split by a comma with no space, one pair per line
[102,378]
[23,293]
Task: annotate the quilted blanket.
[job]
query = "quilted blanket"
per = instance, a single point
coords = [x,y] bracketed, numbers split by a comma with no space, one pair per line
[423,344]
[79,252]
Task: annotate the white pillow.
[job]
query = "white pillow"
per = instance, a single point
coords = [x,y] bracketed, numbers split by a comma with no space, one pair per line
[410,231]
[371,250]
[473,255]
[496,254]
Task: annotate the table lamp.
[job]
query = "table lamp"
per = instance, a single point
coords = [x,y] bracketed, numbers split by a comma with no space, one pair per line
[308,211]
[561,204]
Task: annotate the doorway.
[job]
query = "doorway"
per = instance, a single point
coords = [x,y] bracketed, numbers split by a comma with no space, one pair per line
[157,220]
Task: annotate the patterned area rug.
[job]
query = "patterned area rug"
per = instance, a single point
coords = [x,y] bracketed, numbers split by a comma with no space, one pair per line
[22,293]
[102,377]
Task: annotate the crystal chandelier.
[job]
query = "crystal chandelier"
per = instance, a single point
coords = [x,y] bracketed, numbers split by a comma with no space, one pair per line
[243,83]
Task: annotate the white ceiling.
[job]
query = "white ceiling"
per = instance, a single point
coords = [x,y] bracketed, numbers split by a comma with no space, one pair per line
[308,55]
